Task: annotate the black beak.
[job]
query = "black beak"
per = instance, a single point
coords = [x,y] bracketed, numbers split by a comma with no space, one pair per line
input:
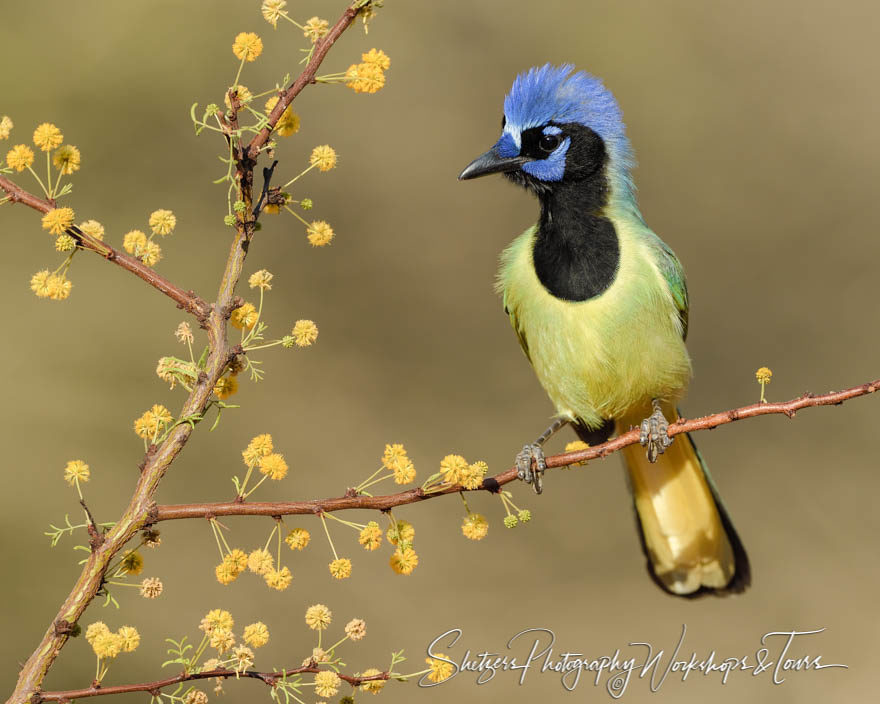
[491,163]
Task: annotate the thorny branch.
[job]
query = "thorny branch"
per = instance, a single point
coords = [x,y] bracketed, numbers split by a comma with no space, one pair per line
[270,678]
[213,319]
[383,503]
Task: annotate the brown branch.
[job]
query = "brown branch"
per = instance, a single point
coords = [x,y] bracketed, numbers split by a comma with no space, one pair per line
[322,46]
[141,508]
[187,300]
[270,678]
[383,503]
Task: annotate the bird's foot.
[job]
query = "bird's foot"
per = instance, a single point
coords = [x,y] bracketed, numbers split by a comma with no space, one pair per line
[653,435]
[524,466]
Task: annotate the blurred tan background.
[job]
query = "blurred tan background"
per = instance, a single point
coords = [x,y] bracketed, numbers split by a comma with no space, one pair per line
[755,128]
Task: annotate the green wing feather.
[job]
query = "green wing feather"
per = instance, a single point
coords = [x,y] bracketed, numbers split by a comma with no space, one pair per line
[673,272]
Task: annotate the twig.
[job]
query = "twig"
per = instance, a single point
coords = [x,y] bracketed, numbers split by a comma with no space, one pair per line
[187,300]
[270,678]
[383,503]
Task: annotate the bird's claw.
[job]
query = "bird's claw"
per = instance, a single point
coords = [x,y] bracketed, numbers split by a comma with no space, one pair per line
[653,434]
[524,466]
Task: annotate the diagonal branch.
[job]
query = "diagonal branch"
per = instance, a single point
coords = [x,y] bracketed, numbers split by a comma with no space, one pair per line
[187,300]
[270,678]
[383,503]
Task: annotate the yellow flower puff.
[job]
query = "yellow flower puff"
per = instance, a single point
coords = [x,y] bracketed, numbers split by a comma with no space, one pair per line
[440,669]
[304,333]
[404,472]
[151,588]
[151,254]
[404,532]
[130,638]
[340,568]
[59,287]
[256,635]
[453,466]
[316,28]
[319,233]
[472,477]
[221,639]
[318,617]
[66,159]
[132,563]
[404,560]
[243,658]
[273,10]
[92,228]
[287,124]
[94,630]
[763,375]
[278,579]
[76,471]
[365,78]
[48,137]
[162,222]
[225,573]
[247,46]
[371,536]
[225,387]
[258,447]
[5,127]
[65,243]
[261,561]
[134,242]
[327,683]
[261,279]
[298,538]
[273,466]
[474,526]
[244,317]
[377,57]
[372,686]
[107,645]
[217,618]
[238,559]
[576,446]
[40,283]
[356,629]
[241,93]
[57,220]
[19,157]
[323,157]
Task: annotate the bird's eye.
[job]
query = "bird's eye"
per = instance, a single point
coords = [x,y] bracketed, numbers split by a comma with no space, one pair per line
[549,142]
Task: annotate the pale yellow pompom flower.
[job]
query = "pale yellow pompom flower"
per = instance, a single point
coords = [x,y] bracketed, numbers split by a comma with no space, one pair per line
[273,10]
[217,618]
[472,477]
[288,124]
[94,630]
[279,579]
[151,588]
[221,639]
[132,562]
[48,137]
[5,127]
[319,233]
[40,283]
[65,243]
[318,617]
[372,686]
[151,254]
[92,228]
[576,446]
[327,683]
[323,157]
[404,532]
[256,635]
[162,222]
[225,573]
[474,526]
[298,539]
[196,696]
[377,57]
[394,454]
[404,471]
[66,159]
[261,279]
[763,375]
[440,669]
[107,645]
[247,46]
[261,561]
[19,157]
[76,471]
[340,568]
[365,78]
[273,466]
[243,658]
[316,28]
[452,467]
[225,387]
[130,638]
[183,333]
[404,560]
[134,242]
[245,316]
[356,629]
[242,94]
[258,447]
[371,536]
[59,287]
[58,220]
[304,333]
[238,559]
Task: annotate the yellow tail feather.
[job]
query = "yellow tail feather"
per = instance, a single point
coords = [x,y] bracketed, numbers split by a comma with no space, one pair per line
[687,546]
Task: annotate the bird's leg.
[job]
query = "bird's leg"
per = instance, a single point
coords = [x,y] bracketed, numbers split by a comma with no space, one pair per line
[653,434]
[535,452]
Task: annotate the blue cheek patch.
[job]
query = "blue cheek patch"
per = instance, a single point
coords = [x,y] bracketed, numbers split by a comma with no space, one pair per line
[553,167]
[507,146]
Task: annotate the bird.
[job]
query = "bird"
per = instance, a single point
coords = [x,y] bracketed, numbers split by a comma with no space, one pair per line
[600,306]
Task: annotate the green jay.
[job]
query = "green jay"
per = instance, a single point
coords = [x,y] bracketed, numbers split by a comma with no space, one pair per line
[600,306]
